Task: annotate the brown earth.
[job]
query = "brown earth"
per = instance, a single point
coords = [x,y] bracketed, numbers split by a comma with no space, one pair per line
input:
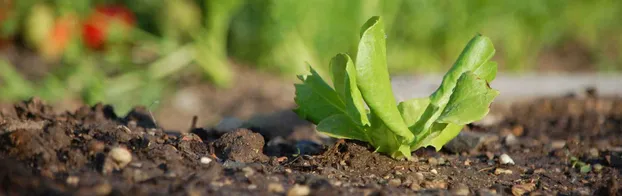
[92,151]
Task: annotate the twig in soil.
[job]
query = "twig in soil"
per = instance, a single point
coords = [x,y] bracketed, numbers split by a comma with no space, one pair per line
[151,114]
[484,169]
[194,122]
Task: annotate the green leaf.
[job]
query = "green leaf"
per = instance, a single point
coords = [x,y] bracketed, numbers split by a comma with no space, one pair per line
[316,100]
[412,109]
[469,102]
[341,126]
[344,81]
[373,78]
[474,56]
[487,71]
[441,134]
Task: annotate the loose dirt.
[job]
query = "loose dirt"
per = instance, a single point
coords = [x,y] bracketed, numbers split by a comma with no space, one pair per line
[559,146]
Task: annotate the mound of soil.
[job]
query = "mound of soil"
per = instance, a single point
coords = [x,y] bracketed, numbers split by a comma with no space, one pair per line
[553,146]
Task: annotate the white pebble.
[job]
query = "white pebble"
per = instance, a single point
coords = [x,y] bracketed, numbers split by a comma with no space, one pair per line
[434,171]
[121,156]
[505,159]
[206,160]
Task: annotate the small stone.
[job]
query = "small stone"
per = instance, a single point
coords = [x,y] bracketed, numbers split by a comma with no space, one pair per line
[102,189]
[434,171]
[248,171]
[594,153]
[252,186]
[395,182]
[518,130]
[275,188]
[557,144]
[436,184]
[521,189]
[467,162]
[598,167]
[539,171]
[299,190]
[505,159]
[73,180]
[121,155]
[117,159]
[205,160]
[460,189]
[441,161]
[419,176]
[500,171]
[511,140]
[432,161]
[96,146]
[486,192]
[415,186]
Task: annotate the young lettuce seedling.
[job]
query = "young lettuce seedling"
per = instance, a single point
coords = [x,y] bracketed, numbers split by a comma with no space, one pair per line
[464,96]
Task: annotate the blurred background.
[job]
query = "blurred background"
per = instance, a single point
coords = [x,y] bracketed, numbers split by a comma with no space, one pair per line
[218,58]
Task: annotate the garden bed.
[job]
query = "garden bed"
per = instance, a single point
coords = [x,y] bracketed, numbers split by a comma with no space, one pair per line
[562,145]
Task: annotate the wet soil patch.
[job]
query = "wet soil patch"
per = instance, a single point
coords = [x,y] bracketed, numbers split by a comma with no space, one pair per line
[552,146]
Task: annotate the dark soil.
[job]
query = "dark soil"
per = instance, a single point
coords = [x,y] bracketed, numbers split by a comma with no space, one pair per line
[92,151]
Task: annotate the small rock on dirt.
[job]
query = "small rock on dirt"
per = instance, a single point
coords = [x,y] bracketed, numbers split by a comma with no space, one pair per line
[435,184]
[395,182]
[557,144]
[511,140]
[117,159]
[205,160]
[460,189]
[299,190]
[506,159]
[521,189]
[241,145]
[468,141]
[275,188]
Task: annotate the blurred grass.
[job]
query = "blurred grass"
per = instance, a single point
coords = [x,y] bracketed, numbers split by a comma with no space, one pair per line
[282,36]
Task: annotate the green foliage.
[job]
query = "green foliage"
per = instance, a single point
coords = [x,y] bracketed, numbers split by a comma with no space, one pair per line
[464,96]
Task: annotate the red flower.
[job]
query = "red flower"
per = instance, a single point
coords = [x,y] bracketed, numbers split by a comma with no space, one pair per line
[97,26]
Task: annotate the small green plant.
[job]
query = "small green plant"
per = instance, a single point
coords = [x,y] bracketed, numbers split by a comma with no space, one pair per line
[464,96]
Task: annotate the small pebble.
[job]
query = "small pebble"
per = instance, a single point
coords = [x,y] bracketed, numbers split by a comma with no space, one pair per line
[73,180]
[594,153]
[419,176]
[252,186]
[432,161]
[500,171]
[434,171]
[441,161]
[395,182]
[415,186]
[558,144]
[521,189]
[460,189]
[511,140]
[598,167]
[275,188]
[248,171]
[505,159]
[436,184]
[121,155]
[299,190]
[206,160]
